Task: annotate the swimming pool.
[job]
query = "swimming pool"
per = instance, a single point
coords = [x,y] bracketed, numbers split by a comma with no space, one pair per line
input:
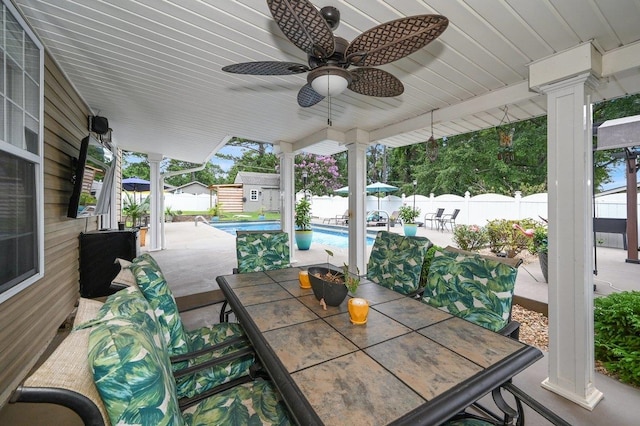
[326,235]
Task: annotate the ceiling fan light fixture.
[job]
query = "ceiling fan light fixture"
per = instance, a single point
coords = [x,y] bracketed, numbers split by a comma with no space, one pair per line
[329,80]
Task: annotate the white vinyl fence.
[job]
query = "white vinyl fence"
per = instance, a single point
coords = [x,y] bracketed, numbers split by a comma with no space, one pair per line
[477,210]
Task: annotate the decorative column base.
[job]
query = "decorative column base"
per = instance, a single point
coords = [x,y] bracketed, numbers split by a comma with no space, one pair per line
[592,397]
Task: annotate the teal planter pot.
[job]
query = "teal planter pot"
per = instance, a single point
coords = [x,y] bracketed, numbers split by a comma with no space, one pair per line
[410,229]
[303,239]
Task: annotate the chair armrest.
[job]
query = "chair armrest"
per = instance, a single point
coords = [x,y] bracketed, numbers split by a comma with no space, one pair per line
[80,404]
[199,300]
[185,403]
[511,330]
[224,359]
[212,348]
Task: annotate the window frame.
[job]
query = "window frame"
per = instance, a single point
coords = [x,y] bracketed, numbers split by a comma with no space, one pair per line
[36,159]
[253,195]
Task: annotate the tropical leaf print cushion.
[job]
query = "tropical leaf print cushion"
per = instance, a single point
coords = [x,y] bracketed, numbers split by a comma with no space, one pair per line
[262,251]
[124,303]
[256,403]
[396,261]
[132,372]
[477,289]
[205,379]
[155,289]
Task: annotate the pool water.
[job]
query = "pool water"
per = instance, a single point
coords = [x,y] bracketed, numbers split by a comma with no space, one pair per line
[321,234]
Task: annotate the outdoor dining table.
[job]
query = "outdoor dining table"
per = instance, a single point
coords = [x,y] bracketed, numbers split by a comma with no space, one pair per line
[409,364]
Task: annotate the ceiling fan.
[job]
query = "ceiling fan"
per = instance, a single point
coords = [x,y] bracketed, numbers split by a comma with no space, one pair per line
[329,57]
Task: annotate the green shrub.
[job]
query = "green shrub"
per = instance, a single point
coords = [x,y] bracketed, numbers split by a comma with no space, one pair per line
[470,237]
[428,257]
[617,334]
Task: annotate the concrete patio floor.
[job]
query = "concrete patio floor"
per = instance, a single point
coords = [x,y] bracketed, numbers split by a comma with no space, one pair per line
[196,255]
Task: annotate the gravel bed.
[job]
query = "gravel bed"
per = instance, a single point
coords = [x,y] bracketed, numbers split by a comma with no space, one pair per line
[534,327]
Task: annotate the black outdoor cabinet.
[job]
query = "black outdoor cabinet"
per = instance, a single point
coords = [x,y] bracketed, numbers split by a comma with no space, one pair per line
[98,252]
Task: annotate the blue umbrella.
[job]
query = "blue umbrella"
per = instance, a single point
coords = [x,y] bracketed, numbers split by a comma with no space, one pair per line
[135,184]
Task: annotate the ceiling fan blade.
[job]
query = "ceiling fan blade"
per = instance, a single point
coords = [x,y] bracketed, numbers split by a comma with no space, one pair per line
[267,68]
[394,40]
[308,97]
[375,82]
[304,26]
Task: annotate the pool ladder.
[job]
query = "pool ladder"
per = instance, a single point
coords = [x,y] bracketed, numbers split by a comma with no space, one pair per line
[205,221]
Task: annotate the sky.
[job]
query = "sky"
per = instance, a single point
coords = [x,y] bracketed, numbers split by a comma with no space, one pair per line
[619,178]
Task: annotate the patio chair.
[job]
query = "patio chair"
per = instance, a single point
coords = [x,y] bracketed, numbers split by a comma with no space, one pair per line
[188,349]
[396,262]
[484,416]
[450,219]
[136,384]
[474,287]
[259,251]
[434,217]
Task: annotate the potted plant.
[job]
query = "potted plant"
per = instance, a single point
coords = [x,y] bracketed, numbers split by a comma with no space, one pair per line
[168,214]
[261,213]
[540,246]
[331,286]
[304,234]
[408,216]
[216,211]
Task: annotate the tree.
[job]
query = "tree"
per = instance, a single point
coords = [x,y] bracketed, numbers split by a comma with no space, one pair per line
[322,173]
[135,165]
[210,175]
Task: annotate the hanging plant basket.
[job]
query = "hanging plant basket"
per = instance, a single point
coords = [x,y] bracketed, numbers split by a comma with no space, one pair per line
[432,149]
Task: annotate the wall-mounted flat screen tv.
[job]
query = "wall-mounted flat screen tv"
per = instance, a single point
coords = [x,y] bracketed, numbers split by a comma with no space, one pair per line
[92,180]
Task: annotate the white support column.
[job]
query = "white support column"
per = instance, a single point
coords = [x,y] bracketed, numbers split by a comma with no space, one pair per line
[570,179]
[357,168]
[287,194]
[157,192]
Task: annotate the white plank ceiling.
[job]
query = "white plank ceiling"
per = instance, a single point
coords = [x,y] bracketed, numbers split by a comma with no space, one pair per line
[153,68]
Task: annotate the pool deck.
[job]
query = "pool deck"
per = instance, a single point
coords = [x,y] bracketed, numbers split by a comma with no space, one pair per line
[196,255]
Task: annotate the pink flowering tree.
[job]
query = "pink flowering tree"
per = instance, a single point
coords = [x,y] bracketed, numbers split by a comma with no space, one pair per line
[322,173]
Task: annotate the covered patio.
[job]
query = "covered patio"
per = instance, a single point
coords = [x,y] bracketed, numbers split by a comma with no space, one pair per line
[154,70]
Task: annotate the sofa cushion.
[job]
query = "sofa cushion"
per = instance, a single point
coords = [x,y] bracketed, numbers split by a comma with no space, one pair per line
[208,378]
[153,285]
[87,310]
[472,287]
[125,276]
[255,403]
[132,372]
[396,261]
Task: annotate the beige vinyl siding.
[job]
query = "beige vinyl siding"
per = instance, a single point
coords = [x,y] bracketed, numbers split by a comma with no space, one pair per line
[29,320]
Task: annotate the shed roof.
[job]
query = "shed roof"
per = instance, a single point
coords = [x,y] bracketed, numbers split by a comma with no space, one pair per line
[263,179]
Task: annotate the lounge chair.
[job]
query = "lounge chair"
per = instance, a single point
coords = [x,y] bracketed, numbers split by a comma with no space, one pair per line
[375,219]
[342,219]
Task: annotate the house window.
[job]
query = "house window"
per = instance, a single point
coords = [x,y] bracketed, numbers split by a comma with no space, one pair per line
[253,195]
[21,156]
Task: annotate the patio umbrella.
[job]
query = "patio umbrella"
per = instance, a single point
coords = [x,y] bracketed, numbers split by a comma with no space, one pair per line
[135,184]
[343,190]
[380,187]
